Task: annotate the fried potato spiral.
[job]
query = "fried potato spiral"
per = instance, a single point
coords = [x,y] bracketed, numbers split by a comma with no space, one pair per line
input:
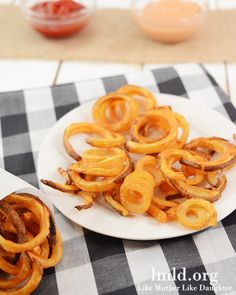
[203,211]
[139,92]
[106,139]
[102,109]
[136,191]
[164,119]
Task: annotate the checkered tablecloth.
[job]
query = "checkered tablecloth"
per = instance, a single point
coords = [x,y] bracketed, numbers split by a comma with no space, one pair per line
[96,264]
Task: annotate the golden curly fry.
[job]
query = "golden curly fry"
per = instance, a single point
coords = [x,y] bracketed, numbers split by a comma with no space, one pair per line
[197,175]
[160,202]
[45,250]
[30,285]
[183,124]
[113,139]
[115,204]
[56,254]
[88,200]
[116,110]
[136,191]
[65,175]
[157,213]
[138,92]
[65,188]
[203,211]
[102,107]
[168,188]
[150,132]
[158,146]
[209,194]
[98,185]
[213,178]
[24,269]
[225,150]
[101,162]
[169,157]
[149,164]
[8,267]
[40,212]
[171,213]
[107,139]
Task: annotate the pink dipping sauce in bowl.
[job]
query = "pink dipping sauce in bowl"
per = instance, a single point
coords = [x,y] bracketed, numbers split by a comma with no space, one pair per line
[169,21]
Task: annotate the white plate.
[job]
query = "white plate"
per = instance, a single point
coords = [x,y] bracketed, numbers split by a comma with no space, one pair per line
[101,218]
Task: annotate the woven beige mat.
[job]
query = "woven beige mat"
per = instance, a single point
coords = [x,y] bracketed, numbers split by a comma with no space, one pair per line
[112,36]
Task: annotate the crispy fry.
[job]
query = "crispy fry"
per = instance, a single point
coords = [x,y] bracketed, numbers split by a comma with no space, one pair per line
[162,202]
[23,272]
[56,254]
[157,116]
[171,213]
[112,139]
[168,188]
[149,163]
[65,175]
[15,220]
[136,91]
[65,188]
[213,178]
[107,139]
[31,284]
[102,106]
[42,215]
[188,191]
[225,150]
[197,175]
[169,157]
[203,218]
[136,191]
[115,204]
[88,200]
[101,162]
[101,185]
[8,267]
[157,213]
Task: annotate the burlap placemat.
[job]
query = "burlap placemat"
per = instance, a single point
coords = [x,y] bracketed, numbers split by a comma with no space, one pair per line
[113,36]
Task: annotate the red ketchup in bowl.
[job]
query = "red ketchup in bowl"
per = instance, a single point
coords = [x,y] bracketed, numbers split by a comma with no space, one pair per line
[59,18]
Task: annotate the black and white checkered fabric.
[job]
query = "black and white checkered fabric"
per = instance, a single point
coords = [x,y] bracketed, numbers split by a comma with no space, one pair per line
[96,264]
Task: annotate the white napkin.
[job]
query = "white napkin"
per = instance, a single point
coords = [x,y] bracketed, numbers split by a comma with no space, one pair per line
[10,183]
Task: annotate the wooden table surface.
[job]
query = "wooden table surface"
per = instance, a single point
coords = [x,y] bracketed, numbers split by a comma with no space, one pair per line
[20,74]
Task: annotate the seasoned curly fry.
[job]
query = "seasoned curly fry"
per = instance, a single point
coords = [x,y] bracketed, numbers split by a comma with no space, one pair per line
[107,139]
[136,91]
[225,150]
[149,164]
[136,191]
[101,162]
[102,106]
[157,213]
[88,200]
[65,188]
[203,218]
[168,141]
[115,204]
